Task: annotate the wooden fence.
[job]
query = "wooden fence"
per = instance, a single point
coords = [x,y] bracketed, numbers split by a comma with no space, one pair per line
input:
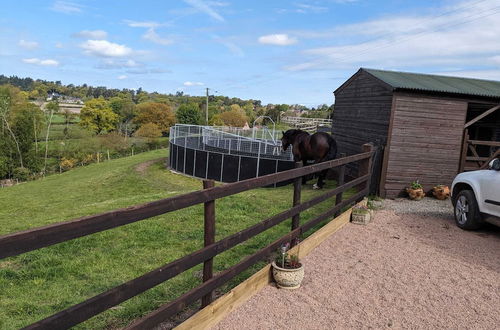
[33,239]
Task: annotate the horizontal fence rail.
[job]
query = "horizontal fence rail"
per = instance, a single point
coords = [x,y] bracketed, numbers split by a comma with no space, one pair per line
[28,240]
[21,242]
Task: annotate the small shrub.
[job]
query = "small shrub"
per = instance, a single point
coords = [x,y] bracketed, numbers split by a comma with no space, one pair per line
[67,163]
[87,159]
[21,173]
[416,185]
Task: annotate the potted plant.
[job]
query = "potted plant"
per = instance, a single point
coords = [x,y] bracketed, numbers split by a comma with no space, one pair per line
[361,214]
[288,271]
[441,191]
[415,191]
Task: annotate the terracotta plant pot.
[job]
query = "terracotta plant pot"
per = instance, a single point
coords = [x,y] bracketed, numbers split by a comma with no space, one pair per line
[288,278]
[441,192]
[415,194]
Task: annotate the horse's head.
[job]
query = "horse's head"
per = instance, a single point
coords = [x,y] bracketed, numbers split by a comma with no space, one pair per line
[287,139]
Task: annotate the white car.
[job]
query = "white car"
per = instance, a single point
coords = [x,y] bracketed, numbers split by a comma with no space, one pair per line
[476,196]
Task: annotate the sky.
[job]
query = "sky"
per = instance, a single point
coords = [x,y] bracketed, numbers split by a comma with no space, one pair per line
[295,52]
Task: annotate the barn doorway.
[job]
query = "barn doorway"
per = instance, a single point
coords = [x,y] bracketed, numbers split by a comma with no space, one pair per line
[481,141]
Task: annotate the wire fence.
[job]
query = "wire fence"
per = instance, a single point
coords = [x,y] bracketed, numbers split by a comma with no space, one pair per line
[227,154]
[254,142]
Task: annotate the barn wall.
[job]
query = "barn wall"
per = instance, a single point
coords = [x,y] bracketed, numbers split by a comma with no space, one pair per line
[361,115]
[425,142]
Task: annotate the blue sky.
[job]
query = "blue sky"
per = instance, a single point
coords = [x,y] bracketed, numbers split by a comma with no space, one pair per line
[275,51]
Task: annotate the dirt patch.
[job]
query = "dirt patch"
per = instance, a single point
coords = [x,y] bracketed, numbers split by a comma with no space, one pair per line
[404,270]
[142,167]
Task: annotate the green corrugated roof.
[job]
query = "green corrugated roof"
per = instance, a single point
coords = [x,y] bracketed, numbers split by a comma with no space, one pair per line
[435,83]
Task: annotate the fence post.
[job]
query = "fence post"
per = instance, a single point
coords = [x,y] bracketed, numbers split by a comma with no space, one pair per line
[209,239]
[340,181]
[365,166]
[297,189]
[463,156]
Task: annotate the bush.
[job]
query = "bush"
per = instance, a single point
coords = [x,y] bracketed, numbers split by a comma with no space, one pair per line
[21,173]
[4,166]
[67,163]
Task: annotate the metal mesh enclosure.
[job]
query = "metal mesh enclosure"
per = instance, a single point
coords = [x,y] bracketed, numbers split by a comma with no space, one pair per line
[227,154]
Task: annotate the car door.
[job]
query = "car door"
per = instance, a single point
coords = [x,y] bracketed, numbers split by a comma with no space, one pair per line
[490,192]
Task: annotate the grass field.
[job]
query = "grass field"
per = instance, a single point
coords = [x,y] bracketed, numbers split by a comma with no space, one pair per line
[40,283]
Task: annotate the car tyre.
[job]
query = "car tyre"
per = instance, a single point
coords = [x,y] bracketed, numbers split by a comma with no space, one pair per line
[467,215]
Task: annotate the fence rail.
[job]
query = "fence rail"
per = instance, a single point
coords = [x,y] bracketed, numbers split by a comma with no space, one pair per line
[29,240]
[475,161]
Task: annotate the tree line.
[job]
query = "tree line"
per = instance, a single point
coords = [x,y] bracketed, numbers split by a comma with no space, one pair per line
[112,121]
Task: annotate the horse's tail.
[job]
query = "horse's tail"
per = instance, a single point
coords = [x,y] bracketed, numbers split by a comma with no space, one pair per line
[332,151]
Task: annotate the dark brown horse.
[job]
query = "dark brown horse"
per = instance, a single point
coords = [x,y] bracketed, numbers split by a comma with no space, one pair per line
[319,147]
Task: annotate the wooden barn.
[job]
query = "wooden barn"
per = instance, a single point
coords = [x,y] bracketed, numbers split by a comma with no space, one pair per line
[426,127]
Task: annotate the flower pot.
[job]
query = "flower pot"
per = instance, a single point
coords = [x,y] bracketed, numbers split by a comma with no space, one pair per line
[441,192]
[415,194]
[288,278]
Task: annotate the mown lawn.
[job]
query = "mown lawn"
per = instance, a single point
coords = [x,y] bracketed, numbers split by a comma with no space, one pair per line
[40,283]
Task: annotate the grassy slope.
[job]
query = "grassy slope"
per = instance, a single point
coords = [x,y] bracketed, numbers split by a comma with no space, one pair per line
[39,283]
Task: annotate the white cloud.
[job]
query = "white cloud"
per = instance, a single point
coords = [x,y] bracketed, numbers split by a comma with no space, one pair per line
[304,8]
[37,61]
[66,7]
[345,1]
[205,7]
[231,46]
[152,36]
[144,24]
[277,39]
[105,48]
[118,64]
[59,45]
[462,35]
[148,71]
[193,83]
[478,74]
[121,77]
[151,33]
[91,34]
[28,45]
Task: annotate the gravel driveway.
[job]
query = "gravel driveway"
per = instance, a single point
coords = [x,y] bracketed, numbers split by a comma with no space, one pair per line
[410,268]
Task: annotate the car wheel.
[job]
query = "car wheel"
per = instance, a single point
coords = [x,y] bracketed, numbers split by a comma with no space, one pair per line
[467,214]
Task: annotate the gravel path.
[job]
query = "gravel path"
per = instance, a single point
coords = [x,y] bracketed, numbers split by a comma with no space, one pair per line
[409,268]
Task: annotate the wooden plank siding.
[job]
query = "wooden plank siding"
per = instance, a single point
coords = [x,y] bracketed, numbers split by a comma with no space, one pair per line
[361,115]
[425,142]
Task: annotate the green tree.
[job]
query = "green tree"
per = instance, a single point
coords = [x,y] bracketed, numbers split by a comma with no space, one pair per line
[97,116]
[151,132]
[20,123]
[157,113]
[234,118]
[125,108]
[188,114]
[10,97]
[274,112]
[51,108]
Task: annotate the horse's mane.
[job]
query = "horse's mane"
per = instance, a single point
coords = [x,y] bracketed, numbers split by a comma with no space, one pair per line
[292,133]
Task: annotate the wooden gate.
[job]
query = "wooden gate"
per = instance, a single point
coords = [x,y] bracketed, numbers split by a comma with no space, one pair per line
[470,158]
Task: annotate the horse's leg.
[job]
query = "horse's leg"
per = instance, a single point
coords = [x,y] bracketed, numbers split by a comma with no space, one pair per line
[321,175]
[321,178]
[304,178]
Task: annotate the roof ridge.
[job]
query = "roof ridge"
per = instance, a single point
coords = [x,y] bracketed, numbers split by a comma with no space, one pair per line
[428,74]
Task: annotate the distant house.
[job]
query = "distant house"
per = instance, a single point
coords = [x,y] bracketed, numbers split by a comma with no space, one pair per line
[426,127]
[52,96]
